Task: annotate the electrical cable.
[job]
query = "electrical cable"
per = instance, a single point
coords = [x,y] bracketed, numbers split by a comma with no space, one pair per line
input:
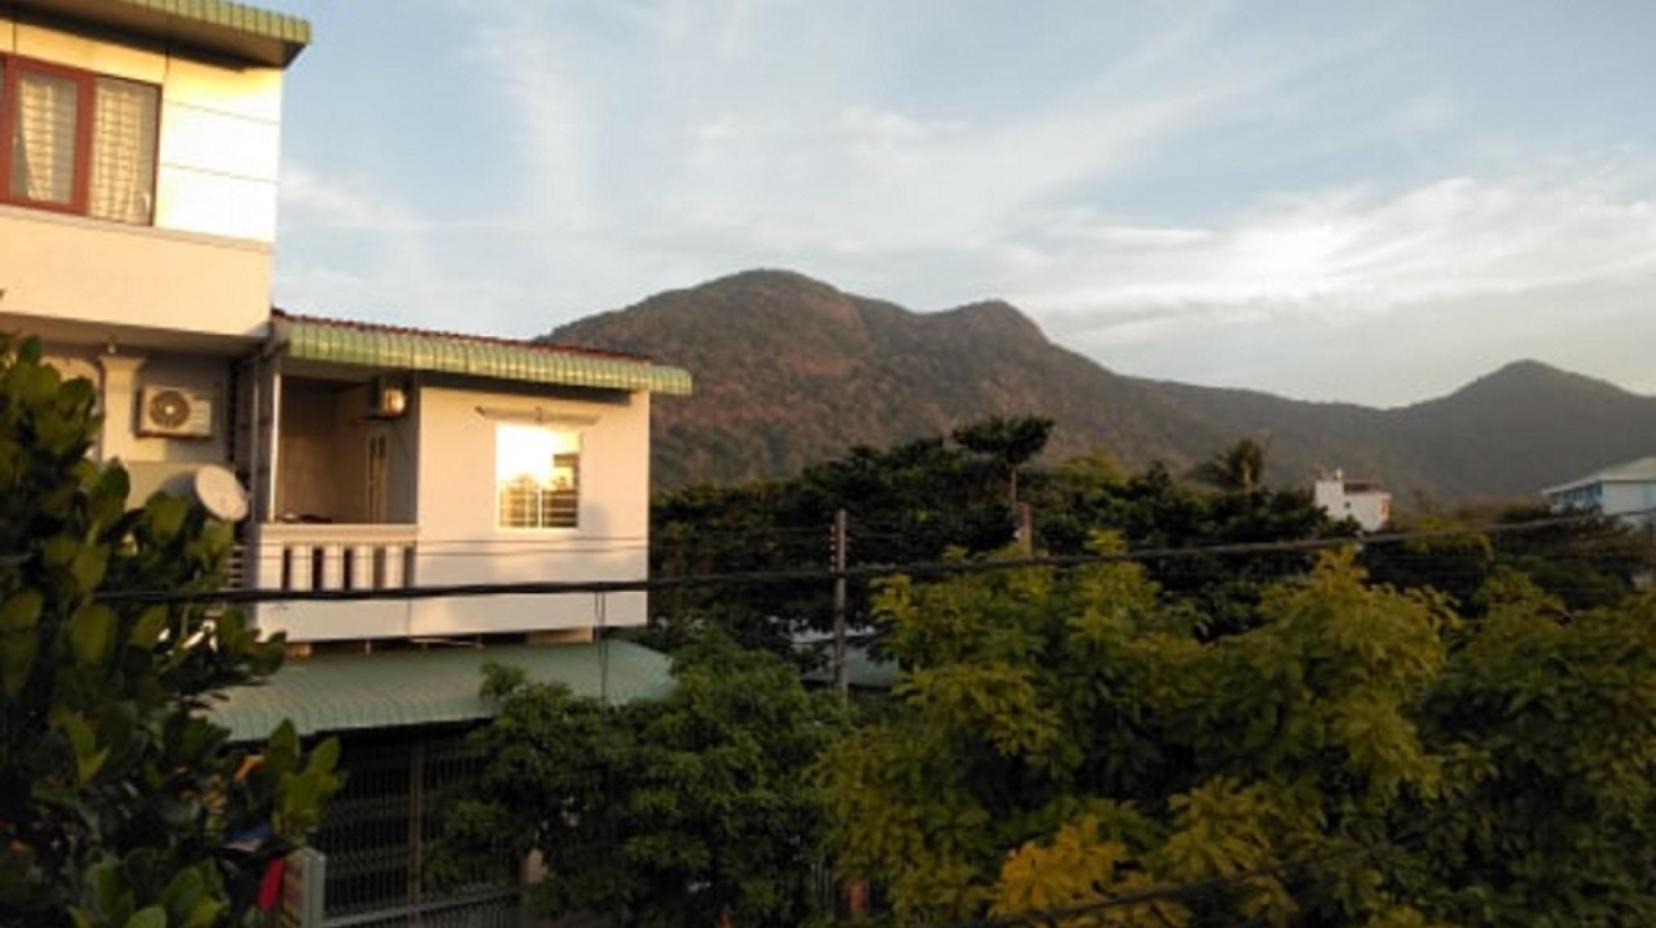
[924,568]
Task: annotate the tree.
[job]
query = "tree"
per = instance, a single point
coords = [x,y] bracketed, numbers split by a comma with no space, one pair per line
[907,503]
[670,813]
[120,805]
[1587,562]
[1237,469]
[1358,755]
[1151,509]
[921,500]
[1009,443]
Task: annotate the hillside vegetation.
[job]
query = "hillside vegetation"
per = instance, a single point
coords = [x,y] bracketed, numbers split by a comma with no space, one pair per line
[790,370]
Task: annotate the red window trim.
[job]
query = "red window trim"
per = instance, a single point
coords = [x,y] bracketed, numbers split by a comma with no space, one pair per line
[81,185]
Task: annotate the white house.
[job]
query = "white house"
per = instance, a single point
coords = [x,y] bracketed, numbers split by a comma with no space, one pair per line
[1363,501]
[1627,490]
[138,192]
[136,229]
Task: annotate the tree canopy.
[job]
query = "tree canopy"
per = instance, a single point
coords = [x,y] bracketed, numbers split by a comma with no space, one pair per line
[921,500]
[1357,755]
[662,813]
[1237,469]
[1007,442]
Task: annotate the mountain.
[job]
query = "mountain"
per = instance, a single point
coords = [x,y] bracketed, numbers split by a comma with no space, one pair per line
[790,370]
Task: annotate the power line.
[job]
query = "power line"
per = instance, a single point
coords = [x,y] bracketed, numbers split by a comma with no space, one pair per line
[925,568]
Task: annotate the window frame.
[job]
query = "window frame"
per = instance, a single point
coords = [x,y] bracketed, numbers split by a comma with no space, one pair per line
[540,512]
[86,82]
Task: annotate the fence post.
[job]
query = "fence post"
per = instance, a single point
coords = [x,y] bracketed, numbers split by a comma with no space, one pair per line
[841,679]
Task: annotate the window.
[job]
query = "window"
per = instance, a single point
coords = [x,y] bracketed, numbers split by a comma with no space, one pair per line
[537,476]
[77,142]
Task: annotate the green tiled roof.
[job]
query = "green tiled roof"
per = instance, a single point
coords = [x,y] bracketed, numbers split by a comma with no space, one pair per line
[263,36]
[349,692]
[311,339]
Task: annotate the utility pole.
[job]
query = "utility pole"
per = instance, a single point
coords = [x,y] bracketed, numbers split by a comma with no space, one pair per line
[841,680]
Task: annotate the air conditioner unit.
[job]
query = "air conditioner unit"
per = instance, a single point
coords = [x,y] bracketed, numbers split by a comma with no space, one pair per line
[175,412]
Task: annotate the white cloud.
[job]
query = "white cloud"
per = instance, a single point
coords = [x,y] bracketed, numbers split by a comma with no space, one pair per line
[1178,187]
[1345,253]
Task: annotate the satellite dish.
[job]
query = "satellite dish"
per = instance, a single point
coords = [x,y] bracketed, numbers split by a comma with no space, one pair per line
[221,493]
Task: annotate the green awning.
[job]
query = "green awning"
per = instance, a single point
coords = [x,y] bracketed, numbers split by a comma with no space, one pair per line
[311,339]
[391,689]
[236,29]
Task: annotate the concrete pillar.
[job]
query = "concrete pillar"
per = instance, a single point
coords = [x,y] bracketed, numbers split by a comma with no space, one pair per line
[119,436]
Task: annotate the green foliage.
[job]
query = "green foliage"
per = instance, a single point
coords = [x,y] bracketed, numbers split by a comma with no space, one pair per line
[1152,510]
[1008,443]
[1358,755]
[1559,710]
[116,796]
[1237,469]
[1586,563]
[924,500]
[908,503]
[669,813]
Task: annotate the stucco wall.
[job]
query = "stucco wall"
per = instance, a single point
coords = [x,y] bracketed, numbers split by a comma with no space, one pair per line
[459,541]
[456,538]
[1370,509]
[153,463]
[206,375]
[205,264]
[1630,497]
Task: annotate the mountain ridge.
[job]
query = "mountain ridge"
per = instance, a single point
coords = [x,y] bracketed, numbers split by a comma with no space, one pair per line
[790,369]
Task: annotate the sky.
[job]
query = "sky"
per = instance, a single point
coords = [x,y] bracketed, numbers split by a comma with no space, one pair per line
[1368,202]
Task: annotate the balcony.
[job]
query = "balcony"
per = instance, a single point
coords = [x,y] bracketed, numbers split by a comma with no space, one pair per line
[355,496]
[301,556]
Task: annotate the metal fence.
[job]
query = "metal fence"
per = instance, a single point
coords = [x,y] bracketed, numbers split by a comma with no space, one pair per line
[380,827]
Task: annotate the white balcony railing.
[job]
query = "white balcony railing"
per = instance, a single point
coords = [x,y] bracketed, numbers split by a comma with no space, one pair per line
[303,556]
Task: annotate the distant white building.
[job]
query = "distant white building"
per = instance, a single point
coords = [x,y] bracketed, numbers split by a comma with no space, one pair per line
[1623,490]
[1361,500]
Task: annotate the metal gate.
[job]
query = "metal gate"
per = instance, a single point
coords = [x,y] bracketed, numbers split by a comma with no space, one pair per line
[379,827]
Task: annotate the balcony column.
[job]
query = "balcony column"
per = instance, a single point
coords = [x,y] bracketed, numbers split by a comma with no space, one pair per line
[118,438]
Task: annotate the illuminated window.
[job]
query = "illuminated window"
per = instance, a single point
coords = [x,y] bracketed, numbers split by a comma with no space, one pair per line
[537,476]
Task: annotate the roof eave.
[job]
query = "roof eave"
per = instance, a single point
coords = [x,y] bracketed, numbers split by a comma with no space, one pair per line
[220,27]
[311,339]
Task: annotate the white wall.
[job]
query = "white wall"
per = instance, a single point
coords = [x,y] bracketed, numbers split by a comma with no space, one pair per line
[207,375]
[152,462]
[220,126]
[205,264]
[1370,508]
[1630,497]
[456,539]
[459,541]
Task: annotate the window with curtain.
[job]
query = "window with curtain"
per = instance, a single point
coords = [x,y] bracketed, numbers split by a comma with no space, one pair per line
[123,150]
[537,476]
[45,118]
[77,142]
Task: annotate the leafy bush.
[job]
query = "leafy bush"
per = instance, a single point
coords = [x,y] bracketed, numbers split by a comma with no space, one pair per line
[118,800]
[664,813]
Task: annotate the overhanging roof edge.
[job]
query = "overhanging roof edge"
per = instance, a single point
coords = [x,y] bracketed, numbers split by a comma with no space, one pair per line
[343,343]
[222,26]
